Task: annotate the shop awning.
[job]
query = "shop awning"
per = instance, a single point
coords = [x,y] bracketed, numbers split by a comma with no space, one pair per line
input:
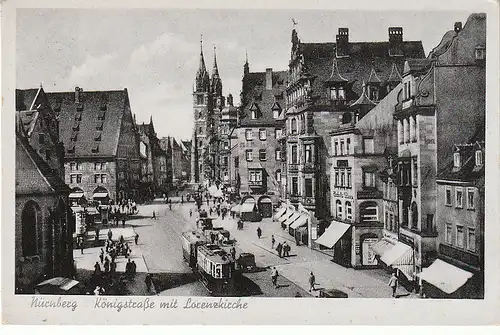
[76,195]
[393,255]
[332,234]
[100,195]
[64,284]
[382,246]
[285,216]
[247,207]
[291,219]
[280,212]
[218,194]
[446,277]
[302,220]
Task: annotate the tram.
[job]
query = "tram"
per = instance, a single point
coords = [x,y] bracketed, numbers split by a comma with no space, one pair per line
[190,241]
[216,268]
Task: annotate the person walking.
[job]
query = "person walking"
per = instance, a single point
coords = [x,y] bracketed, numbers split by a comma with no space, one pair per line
[259,232]
[285,249]
[393,283]
[136,238]
[279,249]
[272,241]
[123,222]
[148,282]
[233,253]
[81,247]
[110,234]
[312,282]
[101,256]
[190,213]
[274,277]
[97,269]
[154,215]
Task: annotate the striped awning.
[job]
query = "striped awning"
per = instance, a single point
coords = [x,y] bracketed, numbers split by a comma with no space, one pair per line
[280,212]
[302,220]
[285,216]
[382,246]
[291,219]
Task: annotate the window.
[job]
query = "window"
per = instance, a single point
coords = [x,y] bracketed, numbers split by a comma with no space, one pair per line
[337,179]
[101,178]
[29,226]
[72,166]
[333,93]
[97,137]
[276,113]
[374,90]
[101,115]
[415,172]
[200,130]
[368,146]
[294,154]
[236,162]
[349,178]
[41,138]
[262,154]
[348,210]
[456,159]
[369,179]
[448,234]
[75,178]
[470,198]
[74,136]
[471,239]
[414,215]
[346,118]
[308,185]
[342,178]
[294,127]
[277,154]
[458,197]
[99,126]
[429,221]
[199,101]
[338,205]
[254,114]
[255,177]
[348,146]
[249,134]
[278,176]
[368,212]
[479,158]
[413,128]
[78,117]
[336,153]
[448,196]
[278,133]
[308,152]
[249,155]
[341,147]
[295,185]
[262,134]
[480,53]
[460,236]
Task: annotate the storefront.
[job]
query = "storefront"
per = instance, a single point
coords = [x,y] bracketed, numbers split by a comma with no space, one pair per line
[249,211]
[298,229]
[392,255]
[337,241]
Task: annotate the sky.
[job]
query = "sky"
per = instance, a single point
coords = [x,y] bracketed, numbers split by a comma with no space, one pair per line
[154,53]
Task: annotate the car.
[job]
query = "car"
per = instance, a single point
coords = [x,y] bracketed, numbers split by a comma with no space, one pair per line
[246,262]
[332,293]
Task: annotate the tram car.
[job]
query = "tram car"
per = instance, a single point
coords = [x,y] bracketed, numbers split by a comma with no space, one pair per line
[216,269]
[191,240]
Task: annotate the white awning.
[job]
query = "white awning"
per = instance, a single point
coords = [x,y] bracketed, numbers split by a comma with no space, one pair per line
[247,207]
[236,208]
[285,216]
[100,195]
[280,212]
[391,256]
[332,234]
[382,246]
[446,277]
[76,195]
[218,194]
[302,220]
[64,284]
[291,219]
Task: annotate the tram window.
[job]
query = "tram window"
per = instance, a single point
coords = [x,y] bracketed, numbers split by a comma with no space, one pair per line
[217,271]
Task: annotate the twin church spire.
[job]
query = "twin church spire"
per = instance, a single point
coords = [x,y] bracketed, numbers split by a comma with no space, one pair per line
[203,81]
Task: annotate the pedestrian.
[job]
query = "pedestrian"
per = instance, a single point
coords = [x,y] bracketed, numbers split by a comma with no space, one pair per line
[154,215]
[272,241]
[393,283]
[97,233]
[97,269]
[81,247]
[122,240]
[286,249]
[113,267]
[123,222]
[191,213]
[148,282]
[128,267]
[279,249]
[106,265]
[101,256]
[259,232]
[312,282]
[136,238]
[233,253]
[274,277]
[133,267]
[182,199]
[110,234]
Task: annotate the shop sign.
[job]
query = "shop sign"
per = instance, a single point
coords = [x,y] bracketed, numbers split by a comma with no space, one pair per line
[344,195]
[368,253]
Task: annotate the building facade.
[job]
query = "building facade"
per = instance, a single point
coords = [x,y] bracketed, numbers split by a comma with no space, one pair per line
[258,160]
[324,80]
[440,95]
[99,135]
[227,134]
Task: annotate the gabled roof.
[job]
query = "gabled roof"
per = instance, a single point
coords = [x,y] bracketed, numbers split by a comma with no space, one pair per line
[373,78]
[51,176]
[335,76]
[363,99]
[395,76]
[257,97]
[106,108]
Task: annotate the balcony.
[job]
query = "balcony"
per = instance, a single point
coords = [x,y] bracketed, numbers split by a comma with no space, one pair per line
[369,194]
[255,183]
[293,167]
[308,201]
[294,198]
[309,167]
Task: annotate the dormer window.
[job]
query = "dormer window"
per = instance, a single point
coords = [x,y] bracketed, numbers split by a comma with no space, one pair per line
[276,113]
[480,53]
[479,158]
[101,116]
[456,159]
[294,128]
[337,93]
[254,114]
[374,92]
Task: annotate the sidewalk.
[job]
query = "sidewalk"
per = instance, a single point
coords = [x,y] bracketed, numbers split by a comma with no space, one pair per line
[372,283]
[136,285]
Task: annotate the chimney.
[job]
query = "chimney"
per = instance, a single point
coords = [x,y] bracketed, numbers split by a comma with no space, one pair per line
[230,99]
[343,42]
[395,41]
[77,95]
[458,27]
[269,79]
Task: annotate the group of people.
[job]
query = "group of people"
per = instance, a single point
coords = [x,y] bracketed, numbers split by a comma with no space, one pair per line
[221,211]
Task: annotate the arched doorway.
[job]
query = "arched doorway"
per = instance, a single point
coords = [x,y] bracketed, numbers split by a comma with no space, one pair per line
[367,255]
[265,206]
[31,229]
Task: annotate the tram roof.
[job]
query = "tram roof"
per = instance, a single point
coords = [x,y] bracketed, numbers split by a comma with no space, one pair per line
[194,236]
[215,253]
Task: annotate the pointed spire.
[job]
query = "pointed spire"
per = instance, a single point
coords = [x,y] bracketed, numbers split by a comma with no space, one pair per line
[395,76]
[373,79]
[202,67]
[215,69]
[363,99]
[336,77]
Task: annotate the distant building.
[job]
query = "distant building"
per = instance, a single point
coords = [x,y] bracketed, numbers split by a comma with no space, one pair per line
[259,157]
[227,136]
[99,134]
[442,104]
[324,82]
[43,222]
